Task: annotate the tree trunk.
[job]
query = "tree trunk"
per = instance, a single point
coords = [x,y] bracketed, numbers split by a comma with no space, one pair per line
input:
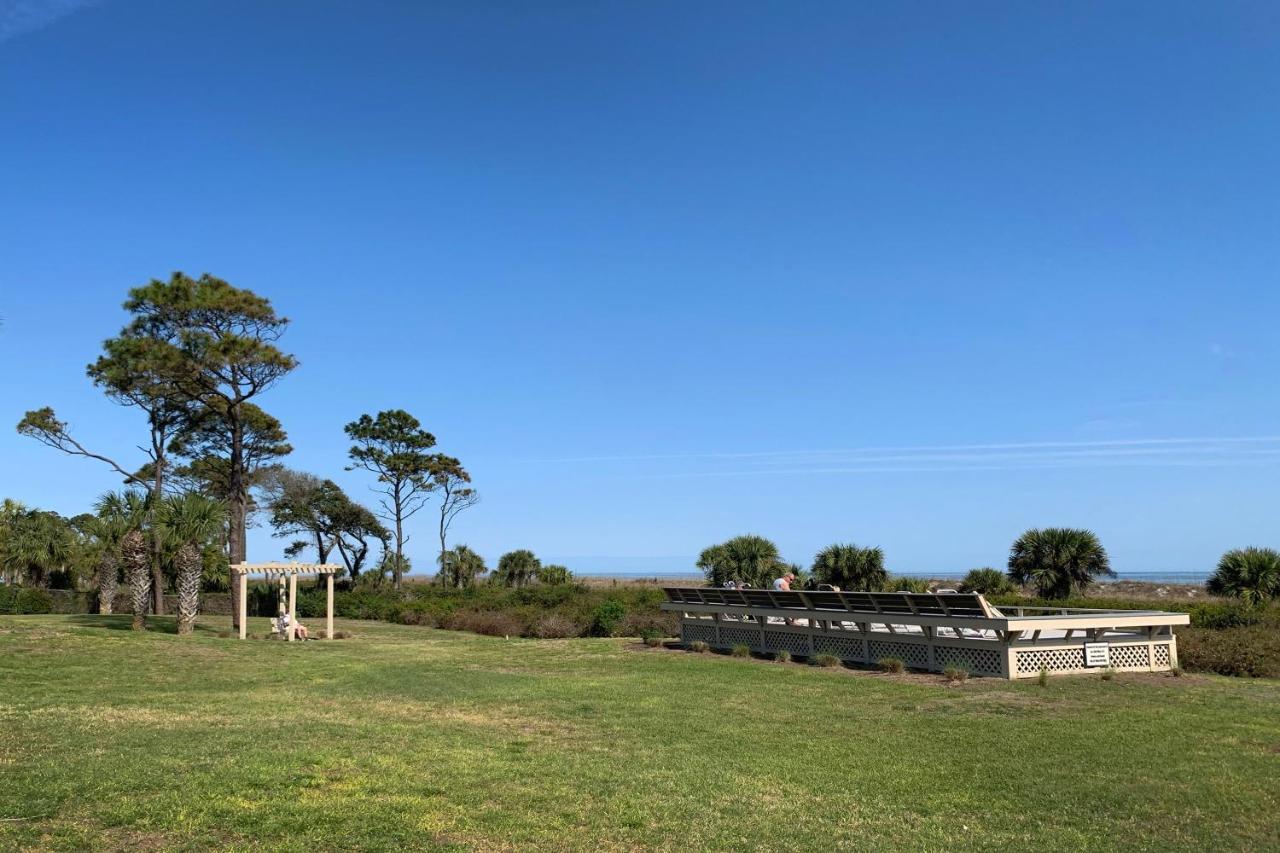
[157,553]
[189,571]
[398,567]
[236,506]
[134,550]
[108,582]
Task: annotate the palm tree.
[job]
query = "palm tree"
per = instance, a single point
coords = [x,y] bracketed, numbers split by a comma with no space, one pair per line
[1058,561]
[460,566]
[186,524]
[554,575]
[37,544]
[1251,574]
[517,568]
[127,513]
[749,559]
[11,513]
[850,567]
[105,535]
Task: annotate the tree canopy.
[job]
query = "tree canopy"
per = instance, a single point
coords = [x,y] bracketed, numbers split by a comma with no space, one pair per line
[393,445]
[850,567]
[517,568]
[1058,561]
[748,559]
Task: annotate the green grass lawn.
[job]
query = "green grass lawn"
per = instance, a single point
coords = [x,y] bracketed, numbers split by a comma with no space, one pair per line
[410,737]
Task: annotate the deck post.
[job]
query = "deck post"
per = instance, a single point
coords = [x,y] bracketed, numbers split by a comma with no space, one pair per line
[293,606]
[328,608]
[244,603]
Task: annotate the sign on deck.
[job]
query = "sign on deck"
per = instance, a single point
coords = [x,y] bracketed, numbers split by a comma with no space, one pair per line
[1097,654]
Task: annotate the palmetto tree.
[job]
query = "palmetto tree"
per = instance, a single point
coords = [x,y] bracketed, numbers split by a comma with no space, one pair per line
[748,559]
[36,545]
[1058,561]
[517,568]
[460,566]
[187,523]
[850,567]
[106,533]
[1252,574]
[127,513]
[11,513]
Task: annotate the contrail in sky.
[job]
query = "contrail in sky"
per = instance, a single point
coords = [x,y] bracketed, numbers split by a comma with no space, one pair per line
[1136,447]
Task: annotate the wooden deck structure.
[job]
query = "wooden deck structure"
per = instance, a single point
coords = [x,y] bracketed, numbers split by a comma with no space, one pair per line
[281,572]
[928,631]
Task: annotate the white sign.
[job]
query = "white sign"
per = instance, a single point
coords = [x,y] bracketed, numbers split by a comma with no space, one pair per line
[1097,654]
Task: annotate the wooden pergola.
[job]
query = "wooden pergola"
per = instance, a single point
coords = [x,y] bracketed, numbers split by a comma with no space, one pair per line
[279,572]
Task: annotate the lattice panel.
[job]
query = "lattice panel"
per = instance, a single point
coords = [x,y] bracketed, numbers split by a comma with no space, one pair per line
[1129,657]
[980,661]
[730,637]
[1054,660]
[689,633]
[776,641]
[1163,658]
[845,648]
[912,654]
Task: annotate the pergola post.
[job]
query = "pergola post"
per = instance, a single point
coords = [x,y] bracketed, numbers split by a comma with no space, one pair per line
[328,609]
[293,605]
[244,604]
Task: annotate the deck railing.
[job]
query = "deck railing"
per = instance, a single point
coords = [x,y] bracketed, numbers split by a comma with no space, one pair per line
[926,630]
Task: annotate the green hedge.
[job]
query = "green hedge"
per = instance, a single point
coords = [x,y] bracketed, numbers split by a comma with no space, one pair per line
[1218,615]
[1252,651]
[581,610]
[18,599]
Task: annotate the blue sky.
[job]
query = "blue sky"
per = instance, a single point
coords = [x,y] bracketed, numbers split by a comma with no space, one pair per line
[918,275]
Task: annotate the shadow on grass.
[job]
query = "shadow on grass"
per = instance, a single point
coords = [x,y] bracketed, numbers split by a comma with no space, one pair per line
[155,624]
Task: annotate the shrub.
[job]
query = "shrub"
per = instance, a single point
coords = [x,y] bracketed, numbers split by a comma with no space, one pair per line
[956,673]
[891,665]
[850,567]
[23,599]
[1204,614]
[491,623]
[986,581]
[1252,651]
[1057,560]
[606,618]
[653,642]
[1251,574]
[826,660]
[741,651]
[783,656]
[1043,678]
[699,646]
[901,584]
[554,575]
[416,617]
[553,626]
[645,624]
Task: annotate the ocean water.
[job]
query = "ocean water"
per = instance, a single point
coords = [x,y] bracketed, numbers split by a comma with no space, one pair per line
[1146,577]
